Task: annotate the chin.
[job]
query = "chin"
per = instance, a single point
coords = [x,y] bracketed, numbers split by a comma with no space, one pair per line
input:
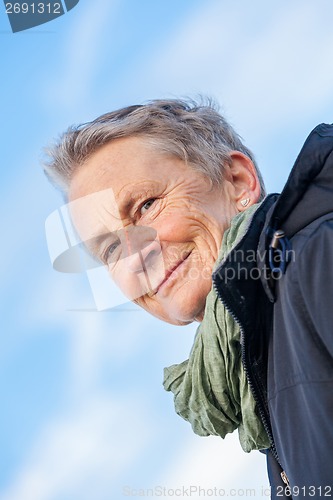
[185,312]
[183,307]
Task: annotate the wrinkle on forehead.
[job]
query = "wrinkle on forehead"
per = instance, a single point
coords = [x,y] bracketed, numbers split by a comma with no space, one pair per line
[95,214]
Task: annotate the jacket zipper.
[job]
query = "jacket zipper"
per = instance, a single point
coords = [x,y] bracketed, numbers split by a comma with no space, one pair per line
[255,389]
[284,478]
[256,392]
[258,398]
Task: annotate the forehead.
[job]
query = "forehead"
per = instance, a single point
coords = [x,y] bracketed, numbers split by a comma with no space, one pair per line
[123,165]
[95,215]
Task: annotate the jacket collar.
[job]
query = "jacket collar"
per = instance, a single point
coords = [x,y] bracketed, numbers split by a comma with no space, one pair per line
[307,194]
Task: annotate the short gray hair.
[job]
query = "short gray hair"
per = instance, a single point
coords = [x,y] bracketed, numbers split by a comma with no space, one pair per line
[194,132]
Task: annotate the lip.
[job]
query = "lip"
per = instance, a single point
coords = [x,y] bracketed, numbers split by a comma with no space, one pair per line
[168,275]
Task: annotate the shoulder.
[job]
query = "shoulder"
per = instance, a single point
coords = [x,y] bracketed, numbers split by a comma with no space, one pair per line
[319,231]
[303,309]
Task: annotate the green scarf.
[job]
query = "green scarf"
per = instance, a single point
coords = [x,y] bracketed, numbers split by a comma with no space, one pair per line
[210,388]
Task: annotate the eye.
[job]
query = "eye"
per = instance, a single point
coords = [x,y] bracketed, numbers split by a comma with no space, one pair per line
[146,205]
[110,254]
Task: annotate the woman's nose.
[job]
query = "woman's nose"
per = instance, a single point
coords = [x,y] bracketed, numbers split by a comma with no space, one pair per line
[141,248]
[144,258]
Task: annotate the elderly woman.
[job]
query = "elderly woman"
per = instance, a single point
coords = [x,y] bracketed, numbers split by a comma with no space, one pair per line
[170,200]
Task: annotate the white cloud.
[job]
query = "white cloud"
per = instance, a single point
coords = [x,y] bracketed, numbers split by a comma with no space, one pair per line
[283,74]
[82,453]
[268,65]
[209,462]
[81,54]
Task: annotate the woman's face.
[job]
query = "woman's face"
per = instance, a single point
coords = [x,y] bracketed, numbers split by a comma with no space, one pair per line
[154,222]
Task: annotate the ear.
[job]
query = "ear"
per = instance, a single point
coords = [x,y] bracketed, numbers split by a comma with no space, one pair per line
[244,179]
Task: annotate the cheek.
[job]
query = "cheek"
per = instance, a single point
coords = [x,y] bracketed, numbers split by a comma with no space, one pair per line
[178,227]
[129,283]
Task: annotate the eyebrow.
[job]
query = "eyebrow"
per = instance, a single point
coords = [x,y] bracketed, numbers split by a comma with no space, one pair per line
[129,199]
[125,206]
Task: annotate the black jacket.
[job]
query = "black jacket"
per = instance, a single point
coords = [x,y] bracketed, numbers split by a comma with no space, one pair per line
[283,302]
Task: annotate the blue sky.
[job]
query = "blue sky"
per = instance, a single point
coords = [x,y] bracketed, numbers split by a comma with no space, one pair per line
[83,409]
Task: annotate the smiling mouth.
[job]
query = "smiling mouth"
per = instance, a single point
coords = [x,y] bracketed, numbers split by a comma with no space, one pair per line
[168,275]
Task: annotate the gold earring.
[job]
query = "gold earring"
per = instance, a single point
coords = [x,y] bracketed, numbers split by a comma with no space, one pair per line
[245,202]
